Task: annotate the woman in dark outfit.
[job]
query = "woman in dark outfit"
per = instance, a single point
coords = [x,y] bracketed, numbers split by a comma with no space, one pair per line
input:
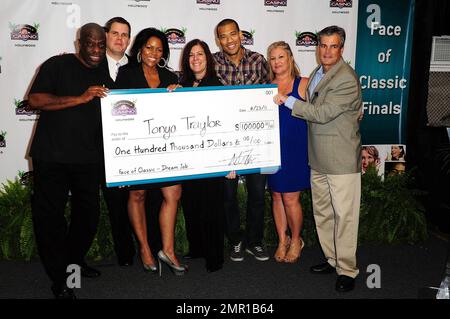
[150,53]
[202,199]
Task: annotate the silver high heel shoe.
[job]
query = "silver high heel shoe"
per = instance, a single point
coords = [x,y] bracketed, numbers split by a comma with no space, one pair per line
[177,270]
[149,267]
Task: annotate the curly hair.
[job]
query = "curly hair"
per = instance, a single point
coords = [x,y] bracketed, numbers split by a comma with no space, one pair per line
[142,38]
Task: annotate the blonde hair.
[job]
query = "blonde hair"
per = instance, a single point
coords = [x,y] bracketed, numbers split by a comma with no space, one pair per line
[295,71]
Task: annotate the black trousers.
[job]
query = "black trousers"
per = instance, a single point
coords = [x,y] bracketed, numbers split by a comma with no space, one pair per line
[254,230]
[59,244]
[202,201]
[116,200]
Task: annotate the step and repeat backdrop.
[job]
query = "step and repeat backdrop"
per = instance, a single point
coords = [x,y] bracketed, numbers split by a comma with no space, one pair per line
[378,46]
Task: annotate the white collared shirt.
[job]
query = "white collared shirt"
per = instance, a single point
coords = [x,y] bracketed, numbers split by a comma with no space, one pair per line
[113,65]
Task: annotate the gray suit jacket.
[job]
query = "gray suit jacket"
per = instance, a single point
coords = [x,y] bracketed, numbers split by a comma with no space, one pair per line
[334,141]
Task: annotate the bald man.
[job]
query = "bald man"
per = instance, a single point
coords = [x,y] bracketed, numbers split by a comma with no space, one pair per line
[66,154]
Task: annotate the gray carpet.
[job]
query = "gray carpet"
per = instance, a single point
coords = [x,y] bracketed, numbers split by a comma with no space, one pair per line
[405,269]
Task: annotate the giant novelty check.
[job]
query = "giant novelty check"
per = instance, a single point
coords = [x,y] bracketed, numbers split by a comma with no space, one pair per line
[152,135]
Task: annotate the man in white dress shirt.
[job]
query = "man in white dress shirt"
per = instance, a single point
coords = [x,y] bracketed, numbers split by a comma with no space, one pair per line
[118,32]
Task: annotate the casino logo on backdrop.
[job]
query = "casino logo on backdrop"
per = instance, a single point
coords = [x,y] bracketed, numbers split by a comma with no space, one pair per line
[61,3]
[275,3]
[341,4]
[247,37]
[175,36]
[137,3]
[306,39]
[208,2]
[24,32]
[23,108]
[2,138]
[123,108]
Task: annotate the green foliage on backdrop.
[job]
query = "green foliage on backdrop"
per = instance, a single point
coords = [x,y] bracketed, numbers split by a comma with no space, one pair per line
[390,213]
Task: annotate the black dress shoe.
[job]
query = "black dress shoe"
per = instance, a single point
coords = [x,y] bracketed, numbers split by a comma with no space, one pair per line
[345,283]
[213,268]
[125,262]
[63,292]
[190,255]
[89,272]
[324,268]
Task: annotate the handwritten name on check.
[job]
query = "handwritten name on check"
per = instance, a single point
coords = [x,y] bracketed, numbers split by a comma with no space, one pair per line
[152,135]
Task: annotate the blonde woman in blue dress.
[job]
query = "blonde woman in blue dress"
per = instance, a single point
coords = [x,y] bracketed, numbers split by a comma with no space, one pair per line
[294,175]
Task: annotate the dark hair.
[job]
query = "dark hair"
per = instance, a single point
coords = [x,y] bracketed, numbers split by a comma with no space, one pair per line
[402,151]
[188,75]
[121,20]
[334,29]
[142,38]
[225,22]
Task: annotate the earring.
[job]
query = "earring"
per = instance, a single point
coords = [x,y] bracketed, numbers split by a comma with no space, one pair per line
[165,63]
[138,57]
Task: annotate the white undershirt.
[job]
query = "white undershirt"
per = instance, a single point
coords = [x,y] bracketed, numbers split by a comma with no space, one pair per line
[113,65]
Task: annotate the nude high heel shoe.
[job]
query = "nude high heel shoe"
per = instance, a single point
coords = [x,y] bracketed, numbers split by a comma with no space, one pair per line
[295,249]
[282,249]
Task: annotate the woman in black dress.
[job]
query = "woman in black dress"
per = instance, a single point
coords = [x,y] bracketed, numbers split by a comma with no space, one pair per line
[150,53]
[203,199]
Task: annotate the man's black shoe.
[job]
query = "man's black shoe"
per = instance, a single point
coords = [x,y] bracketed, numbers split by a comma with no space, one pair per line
[125,262]
[89,272]
[62,292]
[345,283]
[213,268]
[324,268]
[190,255]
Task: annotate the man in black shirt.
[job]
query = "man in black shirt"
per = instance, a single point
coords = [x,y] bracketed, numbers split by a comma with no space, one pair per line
[66,152]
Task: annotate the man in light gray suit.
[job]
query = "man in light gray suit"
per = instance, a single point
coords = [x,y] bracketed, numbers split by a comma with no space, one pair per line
[332,110]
